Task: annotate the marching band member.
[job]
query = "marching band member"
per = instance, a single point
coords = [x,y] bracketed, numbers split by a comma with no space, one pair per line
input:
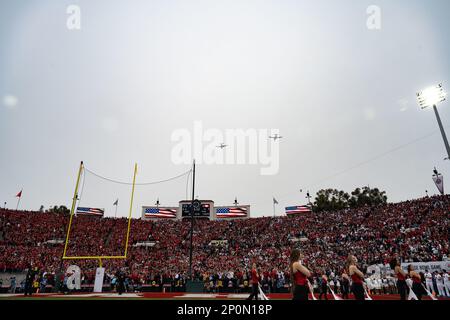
[357,278]
[440,284]
[401,278]
[429,281]
[299,276]
[417,282]
[446,284]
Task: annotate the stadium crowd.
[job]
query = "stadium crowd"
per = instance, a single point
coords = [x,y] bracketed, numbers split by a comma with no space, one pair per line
[414,231]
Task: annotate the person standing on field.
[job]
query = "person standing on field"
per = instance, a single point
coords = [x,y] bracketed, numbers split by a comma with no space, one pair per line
[255,283]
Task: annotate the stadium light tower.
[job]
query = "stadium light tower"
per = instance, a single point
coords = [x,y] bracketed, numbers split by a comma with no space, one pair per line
[430,97]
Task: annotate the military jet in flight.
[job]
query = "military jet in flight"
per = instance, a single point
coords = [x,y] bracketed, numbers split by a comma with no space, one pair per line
[276,137]
[222,146]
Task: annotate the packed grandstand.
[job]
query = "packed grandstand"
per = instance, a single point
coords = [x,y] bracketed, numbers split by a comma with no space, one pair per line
[224,251]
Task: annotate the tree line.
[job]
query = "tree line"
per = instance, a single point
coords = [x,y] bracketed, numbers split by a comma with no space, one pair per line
[333,199]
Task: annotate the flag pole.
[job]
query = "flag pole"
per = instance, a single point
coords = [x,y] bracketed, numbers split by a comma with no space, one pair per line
[18,202]
[192,221]
[116,204]
[274,208]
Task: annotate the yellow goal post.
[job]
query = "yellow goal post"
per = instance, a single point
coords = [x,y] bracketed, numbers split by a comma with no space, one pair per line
[72,212]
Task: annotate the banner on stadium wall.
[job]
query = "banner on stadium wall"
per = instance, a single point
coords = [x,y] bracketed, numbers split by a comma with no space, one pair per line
[232,212]
[218,243]
[83,211]
[296,210]
[418,266]
[430,266]
[159,212]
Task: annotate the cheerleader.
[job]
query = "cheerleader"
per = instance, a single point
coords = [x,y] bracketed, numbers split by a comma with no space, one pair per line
[401,278]
[417,286]
[299,276]
[357,278]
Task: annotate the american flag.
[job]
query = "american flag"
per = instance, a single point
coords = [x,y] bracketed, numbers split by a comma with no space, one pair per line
[160,213]
[90,211]
[232,212]
[298,210]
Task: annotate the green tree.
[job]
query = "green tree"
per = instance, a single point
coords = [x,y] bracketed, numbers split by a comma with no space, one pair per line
[330,199]
[367,196]
[60,210]
[333,199]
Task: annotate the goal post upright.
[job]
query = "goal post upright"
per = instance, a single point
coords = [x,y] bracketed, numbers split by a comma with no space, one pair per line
[72,210]
[131,210]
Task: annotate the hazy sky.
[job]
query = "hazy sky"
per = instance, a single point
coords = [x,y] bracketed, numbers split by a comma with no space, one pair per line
[113,93]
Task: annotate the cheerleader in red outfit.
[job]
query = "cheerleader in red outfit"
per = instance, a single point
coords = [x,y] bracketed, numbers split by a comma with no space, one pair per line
[401,278]
[299,276]
[357,278]
[417,286]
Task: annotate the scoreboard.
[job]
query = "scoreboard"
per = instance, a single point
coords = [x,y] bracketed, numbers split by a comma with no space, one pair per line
[201,210]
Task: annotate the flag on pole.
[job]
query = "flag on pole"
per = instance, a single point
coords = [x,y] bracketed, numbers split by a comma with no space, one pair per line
[261,293]
[19,196]
[311,290]
[336,297]
[439,181]
[275,201]
[412,295]
[117,205]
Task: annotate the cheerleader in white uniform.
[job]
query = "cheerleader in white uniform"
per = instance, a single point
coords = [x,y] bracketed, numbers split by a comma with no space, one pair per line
[429,281]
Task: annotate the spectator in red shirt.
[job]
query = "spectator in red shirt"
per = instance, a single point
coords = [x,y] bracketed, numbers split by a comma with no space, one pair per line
[255,283]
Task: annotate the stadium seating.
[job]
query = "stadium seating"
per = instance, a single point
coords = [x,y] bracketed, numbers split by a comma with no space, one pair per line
[414,230]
